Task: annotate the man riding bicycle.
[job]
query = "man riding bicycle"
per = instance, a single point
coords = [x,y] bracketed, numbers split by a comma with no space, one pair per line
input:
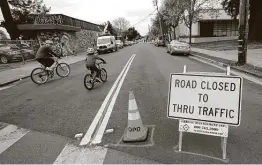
[91,64]
[46,56]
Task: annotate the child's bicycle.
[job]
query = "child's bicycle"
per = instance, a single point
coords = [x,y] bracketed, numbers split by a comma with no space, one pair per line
[41,75]
[90,81]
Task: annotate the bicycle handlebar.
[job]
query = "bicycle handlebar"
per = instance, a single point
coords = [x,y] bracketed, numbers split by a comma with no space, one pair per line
[99,63]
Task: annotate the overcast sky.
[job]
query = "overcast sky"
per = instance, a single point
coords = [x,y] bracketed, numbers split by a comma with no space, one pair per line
[99,11]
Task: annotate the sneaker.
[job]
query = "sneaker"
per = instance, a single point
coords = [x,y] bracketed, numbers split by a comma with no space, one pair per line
[49,68]
[98,79]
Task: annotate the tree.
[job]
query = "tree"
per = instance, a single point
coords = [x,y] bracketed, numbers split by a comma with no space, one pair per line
[109,28]
[172,12]
[23,10]
[9,23]
[194,9]
[20,12]
[121,24]
[132,34]
[255,26]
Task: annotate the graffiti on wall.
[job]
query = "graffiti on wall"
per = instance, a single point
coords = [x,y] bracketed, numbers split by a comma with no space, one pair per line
[61,42]
[48,19]
[85,39]
[68,43]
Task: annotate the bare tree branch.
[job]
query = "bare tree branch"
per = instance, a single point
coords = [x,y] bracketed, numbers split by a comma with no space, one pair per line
[121,24]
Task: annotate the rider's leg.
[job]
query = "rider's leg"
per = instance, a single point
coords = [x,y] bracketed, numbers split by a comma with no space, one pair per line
[97,71]
[41,61]
[50,64]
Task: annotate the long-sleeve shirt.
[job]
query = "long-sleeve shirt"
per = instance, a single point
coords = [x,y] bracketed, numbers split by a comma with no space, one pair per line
[45,52]
[91,60]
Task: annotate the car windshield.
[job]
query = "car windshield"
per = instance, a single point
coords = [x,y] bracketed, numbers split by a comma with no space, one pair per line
[103,41]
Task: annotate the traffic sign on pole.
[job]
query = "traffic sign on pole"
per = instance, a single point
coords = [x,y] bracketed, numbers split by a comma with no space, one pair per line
[210,98]
[205,103]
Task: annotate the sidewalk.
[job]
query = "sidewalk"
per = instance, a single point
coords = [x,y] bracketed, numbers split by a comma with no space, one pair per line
[24,71]
[230,57]
[254,56]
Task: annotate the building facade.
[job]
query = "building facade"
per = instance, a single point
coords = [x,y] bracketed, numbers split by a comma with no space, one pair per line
[212,26]
[68,34]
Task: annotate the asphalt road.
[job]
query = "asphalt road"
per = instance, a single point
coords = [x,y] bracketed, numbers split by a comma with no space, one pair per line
[58,110]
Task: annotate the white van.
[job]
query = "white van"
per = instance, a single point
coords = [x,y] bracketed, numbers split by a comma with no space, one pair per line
[106,44]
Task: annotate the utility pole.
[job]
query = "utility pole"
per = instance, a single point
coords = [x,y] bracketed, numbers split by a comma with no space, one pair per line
[160,19]
[149,32]
[243,31]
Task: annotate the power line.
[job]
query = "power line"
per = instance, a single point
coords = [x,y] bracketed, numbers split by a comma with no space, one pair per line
[144,18]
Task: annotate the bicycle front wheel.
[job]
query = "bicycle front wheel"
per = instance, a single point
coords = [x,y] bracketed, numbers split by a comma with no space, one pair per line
[103,75]
[63,70]
[39,76]
[88,81]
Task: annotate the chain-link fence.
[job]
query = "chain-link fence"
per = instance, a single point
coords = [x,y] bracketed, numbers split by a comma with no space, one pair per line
[17,50]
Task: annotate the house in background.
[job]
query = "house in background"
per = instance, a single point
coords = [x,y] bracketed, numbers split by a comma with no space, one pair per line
[212,26]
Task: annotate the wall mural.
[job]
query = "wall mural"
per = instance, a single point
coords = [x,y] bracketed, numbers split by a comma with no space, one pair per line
[69,43]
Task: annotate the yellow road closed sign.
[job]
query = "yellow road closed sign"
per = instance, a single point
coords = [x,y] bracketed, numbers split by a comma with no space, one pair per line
[211,98]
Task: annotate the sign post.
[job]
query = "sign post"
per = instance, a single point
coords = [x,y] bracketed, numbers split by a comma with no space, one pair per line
[205,103]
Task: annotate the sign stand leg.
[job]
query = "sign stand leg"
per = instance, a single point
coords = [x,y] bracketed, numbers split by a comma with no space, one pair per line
[180,141]
[180,132]
[224,139]
[224,147]
[228,70]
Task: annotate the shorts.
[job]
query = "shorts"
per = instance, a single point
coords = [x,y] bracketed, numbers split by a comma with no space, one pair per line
[47,62]
[92,68]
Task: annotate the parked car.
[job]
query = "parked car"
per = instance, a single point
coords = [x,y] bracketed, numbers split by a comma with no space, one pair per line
[176,47]
[119,44]
[159,43]
[126,43]
[12,52]
[106,44]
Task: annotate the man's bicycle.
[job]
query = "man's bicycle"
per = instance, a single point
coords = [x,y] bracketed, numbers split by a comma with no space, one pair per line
[90,81]
[41,75]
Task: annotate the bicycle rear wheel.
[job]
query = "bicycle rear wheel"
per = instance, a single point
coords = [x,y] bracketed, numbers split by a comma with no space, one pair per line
[39,76]
[103,75]
[63,70]
[88,81]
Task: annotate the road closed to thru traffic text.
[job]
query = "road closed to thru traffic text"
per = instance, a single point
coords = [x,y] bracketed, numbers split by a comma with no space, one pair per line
[211,98]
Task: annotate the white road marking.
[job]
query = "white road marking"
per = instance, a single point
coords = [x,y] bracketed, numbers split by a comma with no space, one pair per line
[202,155]
[87,138]
[72,154]
[6,87]
[250,78]
[101,130]
[9,135]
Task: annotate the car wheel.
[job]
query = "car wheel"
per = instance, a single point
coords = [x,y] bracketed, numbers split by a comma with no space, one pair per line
[3,59]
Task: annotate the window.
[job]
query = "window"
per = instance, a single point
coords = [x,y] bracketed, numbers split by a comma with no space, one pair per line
[225,28]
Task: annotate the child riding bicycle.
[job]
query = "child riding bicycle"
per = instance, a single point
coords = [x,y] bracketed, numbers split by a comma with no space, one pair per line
[91,64]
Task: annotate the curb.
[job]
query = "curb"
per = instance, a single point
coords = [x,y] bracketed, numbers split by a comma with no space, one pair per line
[24,77]
[224,65]
[13,81]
